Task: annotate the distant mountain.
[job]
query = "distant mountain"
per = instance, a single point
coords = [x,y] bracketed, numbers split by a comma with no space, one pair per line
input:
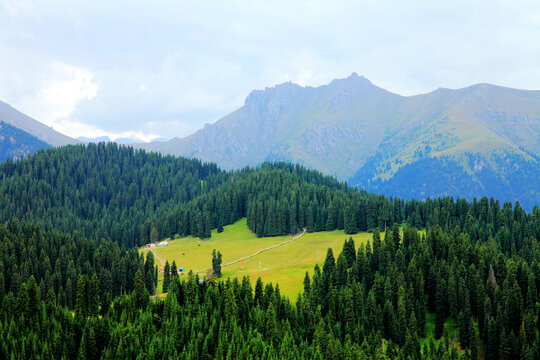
[480,140]
[95,139]
[159,139]
[123,141]
[127,141]
[16,143]
[43,132]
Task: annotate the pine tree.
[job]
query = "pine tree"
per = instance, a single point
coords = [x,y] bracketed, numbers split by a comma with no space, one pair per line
[139,290]
[34,298]
[207,225]
[376,242]
[396,236]
[439,308]
[81,304]
[349,251]
[154,235]
[259,228]
[293,225]
[491,350]
[349,221]
[271,329]
[230,306]
[331,219]
[310,221]
[258,298]
[371,215]
[166,276]
[174,271]
[93,296]
[216,263]
[307,283]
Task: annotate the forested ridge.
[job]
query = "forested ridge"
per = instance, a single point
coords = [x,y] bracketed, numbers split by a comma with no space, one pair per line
[104,191]
[72,286]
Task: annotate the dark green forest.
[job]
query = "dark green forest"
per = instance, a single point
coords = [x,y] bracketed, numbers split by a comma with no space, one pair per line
[72,284]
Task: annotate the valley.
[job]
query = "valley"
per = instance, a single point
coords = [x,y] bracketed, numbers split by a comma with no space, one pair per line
[269,180]
[285,265]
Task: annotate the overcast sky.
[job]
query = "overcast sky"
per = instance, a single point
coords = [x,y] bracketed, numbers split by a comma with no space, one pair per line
[165,68]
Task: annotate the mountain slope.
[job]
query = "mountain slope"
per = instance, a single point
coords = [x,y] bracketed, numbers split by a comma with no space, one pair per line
[43,132]
[359,132]
[333,128]
[16,144]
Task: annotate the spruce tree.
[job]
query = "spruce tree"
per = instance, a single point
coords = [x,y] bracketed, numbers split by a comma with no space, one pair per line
[439,308]
[396,236]
[93,296]
[81,304]
[216,263]
[140,293]
[166,276]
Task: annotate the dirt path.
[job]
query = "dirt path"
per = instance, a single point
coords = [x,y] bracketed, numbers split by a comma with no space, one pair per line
[159,258]
[260,251]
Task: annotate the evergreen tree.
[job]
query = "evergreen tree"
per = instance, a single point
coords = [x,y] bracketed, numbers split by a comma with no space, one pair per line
[93,296]
[140,293]
[350,221]
[174,271]
[216,263]
[81,304]
[166,276]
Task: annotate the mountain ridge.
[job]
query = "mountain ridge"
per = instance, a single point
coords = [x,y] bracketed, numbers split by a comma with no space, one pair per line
[16,143]
[342,127]
[14,117]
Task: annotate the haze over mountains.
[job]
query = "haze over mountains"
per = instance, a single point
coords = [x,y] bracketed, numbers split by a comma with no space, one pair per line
[475,141]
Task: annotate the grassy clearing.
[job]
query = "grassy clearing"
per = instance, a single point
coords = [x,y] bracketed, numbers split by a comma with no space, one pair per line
[285,265]
[449,329]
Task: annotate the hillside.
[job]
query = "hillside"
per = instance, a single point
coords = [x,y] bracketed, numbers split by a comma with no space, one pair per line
[16,144]
[70,288]
[366,135]
[43,132]
[103,191]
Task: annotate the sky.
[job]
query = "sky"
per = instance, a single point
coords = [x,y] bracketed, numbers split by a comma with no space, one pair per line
[164,68]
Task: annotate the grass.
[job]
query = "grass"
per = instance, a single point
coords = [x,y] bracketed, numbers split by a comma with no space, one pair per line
[429,331]
[285,265]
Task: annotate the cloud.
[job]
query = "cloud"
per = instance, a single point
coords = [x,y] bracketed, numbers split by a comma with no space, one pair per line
[77,129]
[169,67]
[54,92]
[68,85]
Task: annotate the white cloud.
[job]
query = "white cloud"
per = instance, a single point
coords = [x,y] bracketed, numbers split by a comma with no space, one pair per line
[68,86]
[54,92]
[17,7]
[167,67]
[76,129]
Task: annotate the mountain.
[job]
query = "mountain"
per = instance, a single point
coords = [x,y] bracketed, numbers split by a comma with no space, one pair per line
[121,140]
[330,128]
[43,132]
[17,144]
[127,141]
[485,136]
[95,139]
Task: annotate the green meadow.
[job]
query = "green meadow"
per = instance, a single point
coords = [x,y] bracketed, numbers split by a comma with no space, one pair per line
[286,264]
